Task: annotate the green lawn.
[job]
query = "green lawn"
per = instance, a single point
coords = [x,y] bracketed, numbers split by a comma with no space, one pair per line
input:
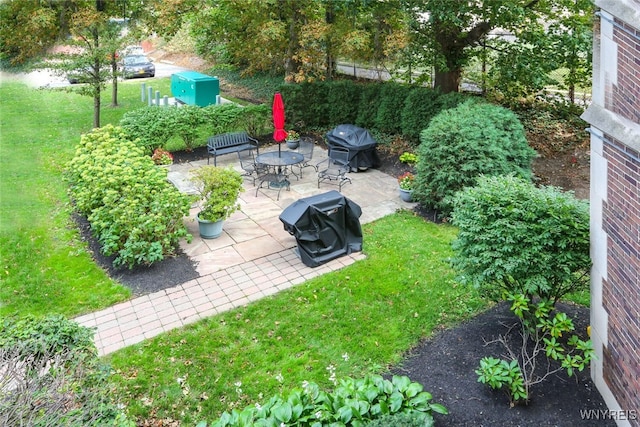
[360,319]
[46,268]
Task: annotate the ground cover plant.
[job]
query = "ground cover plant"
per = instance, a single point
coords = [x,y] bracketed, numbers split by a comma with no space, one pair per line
[51,375]
[353,402]
[347,323]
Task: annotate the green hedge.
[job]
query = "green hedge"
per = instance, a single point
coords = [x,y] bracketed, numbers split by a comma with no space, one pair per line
[152,127]
[135,213]
[392,108]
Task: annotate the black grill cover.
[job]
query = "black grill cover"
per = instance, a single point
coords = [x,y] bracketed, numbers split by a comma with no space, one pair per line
[359,142]
[326,226]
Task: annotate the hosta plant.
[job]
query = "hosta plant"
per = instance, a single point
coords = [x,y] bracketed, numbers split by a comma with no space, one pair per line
[354,402]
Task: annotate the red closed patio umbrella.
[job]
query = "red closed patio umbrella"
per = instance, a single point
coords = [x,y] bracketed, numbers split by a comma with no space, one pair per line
[277,110]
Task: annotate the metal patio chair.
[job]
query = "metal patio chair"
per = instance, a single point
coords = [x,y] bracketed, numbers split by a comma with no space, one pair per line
[249,166]
[306,149]
[335,167]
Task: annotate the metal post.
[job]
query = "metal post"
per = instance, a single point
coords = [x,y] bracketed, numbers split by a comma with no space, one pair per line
[150,99]
[165,100]
[158,98]
[143,91]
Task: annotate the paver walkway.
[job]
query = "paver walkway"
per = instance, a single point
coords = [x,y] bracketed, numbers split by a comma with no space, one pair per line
[253,258]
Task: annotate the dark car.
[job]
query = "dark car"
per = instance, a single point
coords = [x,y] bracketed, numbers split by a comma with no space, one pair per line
[137,66]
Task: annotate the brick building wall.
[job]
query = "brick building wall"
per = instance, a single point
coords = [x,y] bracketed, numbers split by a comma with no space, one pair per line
[614,117]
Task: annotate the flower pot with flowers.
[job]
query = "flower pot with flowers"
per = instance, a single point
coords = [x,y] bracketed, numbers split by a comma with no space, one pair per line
[292,139]
[162,157]
[219,189]
[405,183]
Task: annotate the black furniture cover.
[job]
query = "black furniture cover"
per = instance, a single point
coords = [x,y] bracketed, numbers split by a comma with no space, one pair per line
[359,142]
[326,226]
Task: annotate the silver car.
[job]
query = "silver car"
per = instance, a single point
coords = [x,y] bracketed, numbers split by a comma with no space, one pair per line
[137,66]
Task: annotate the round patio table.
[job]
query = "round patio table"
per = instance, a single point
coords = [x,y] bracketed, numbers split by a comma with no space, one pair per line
[280,158]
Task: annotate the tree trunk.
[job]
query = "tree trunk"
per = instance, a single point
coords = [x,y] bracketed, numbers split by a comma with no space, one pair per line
[290,65]
[96,110]
[448,81]
[114,88]
[330,64]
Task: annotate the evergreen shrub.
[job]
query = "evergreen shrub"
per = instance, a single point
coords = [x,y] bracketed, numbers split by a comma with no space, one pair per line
[389,114]
[463,143]
[343,100]
[421,105]
[306,104]
[368,108]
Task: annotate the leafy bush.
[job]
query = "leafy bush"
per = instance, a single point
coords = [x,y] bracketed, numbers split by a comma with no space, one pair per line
[134,212]
[542,332]
[151,127]
[422,105]
[255,119]
[184,121]
[352,403]
[51,375]
[147,127]
[516,238]
[463,143]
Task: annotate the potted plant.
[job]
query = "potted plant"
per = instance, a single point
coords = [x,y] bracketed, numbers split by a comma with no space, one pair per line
[405,182]
[219,189]
[292,139]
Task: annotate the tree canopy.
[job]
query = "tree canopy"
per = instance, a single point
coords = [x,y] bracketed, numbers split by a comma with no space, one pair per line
[303,39]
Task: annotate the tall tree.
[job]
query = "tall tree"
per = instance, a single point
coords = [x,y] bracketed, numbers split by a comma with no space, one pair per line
[451,30]
[90,54]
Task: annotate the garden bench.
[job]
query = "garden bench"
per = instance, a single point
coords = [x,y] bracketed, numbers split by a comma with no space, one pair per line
[231,142]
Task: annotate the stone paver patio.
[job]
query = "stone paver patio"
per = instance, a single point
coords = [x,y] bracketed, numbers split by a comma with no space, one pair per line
[253,258]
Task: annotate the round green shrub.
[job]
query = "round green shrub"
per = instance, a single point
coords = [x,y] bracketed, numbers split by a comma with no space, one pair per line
[517,238]
[463,143]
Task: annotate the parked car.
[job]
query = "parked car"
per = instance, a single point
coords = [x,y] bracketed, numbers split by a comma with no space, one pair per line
[137,66]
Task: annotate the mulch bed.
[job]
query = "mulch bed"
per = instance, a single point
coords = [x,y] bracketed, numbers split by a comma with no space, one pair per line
[445,365]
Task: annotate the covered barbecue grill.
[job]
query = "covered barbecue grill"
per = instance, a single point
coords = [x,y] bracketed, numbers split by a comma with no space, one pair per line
[359,142]
[326,226]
